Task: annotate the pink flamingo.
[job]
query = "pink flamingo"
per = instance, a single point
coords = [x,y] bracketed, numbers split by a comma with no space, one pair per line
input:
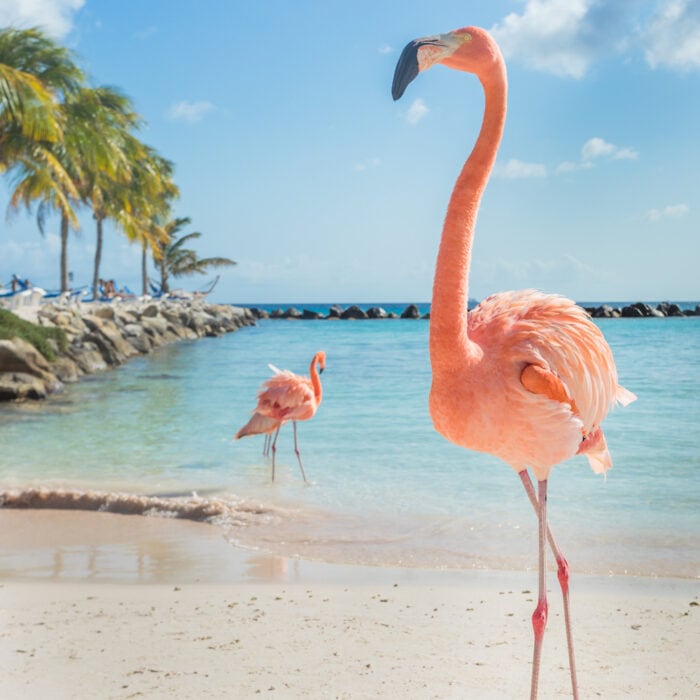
[525,376]
[286,396]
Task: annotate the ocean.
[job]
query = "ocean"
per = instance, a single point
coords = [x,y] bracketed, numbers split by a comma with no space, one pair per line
[385,489]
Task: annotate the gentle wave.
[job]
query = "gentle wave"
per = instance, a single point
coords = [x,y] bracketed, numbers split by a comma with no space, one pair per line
[197,508]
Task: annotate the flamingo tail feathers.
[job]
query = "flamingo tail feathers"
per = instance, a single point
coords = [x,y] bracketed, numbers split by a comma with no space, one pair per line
[596,450]
[624,397]
[256,425]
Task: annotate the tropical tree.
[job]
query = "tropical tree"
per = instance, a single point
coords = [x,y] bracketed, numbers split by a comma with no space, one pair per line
[35,76]
[146,201]
[106,162]
[174,260]
[34,73]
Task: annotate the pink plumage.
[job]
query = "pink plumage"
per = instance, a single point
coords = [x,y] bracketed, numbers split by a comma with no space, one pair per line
[508,332]
[525,376]
[286,396]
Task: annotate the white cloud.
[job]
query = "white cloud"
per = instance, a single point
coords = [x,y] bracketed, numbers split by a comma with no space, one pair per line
[515,169]
[568,167]
[550,35]
[673,36]
[55,17]
[386,49]
[190,112]
[598,148]
[416,111]
[672,211]
[565,37]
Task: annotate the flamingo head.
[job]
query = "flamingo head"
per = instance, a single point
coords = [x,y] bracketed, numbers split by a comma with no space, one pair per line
[320,360]
[468,49]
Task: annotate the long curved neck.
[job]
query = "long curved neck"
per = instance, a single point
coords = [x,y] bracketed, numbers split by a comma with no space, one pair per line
[315,380]
[448,312]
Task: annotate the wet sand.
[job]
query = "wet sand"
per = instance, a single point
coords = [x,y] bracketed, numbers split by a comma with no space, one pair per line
[114,606]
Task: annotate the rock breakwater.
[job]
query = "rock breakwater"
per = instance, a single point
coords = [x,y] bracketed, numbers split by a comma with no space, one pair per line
[100,336]
[355,312]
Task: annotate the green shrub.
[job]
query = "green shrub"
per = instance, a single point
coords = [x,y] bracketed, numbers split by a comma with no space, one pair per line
[12,326]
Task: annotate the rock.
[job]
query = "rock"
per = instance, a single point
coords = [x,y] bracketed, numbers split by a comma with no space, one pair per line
[632,312]
[18,386]
[292,312]
[335,311]
[17,355]
[87,356]
[137,336]
[353,312]
[604,311]
[106,312]
[66,370]
[151,311]
[24,372]
[105,334]
[411,311]
[669,309]
[376,312]
[309,315]
[259,313]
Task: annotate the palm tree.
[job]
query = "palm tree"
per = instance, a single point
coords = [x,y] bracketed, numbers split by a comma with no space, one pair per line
[146,201]
[35,73]
[174,260]
[107,161]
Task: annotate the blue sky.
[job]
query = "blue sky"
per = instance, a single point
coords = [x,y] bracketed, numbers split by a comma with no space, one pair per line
[293,159]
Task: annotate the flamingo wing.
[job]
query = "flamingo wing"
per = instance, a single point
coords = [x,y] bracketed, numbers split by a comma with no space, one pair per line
[287,396]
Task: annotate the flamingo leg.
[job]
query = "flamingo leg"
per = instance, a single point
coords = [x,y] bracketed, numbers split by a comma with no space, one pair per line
[539,617]
[266,444]
[274,449]
[298,454]
[562,575]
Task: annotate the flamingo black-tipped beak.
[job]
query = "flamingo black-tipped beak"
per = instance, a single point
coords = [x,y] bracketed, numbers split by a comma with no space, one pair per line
[406,69]
[408,66]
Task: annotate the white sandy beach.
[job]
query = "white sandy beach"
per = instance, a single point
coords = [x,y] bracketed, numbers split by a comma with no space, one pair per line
[111,606]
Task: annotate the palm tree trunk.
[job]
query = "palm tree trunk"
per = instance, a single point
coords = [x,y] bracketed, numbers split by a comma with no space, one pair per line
[64,253]
[164,287]
[144,268]
[98,259]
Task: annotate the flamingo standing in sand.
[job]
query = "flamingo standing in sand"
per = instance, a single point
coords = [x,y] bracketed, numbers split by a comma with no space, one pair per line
[286,396]
[525,376]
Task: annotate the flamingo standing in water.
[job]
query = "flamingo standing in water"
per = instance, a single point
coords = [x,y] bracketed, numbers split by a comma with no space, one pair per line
[525,376]
[286,397]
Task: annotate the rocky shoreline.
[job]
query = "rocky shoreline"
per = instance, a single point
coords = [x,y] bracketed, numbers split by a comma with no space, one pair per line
[100,336]
[354,312]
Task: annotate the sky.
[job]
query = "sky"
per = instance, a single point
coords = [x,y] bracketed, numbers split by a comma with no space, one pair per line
[293,159]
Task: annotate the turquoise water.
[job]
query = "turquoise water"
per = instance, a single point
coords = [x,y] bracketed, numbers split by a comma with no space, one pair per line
[385,488]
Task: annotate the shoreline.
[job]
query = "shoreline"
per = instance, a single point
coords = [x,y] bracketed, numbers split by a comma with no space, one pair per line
[205,619]
[73,546]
